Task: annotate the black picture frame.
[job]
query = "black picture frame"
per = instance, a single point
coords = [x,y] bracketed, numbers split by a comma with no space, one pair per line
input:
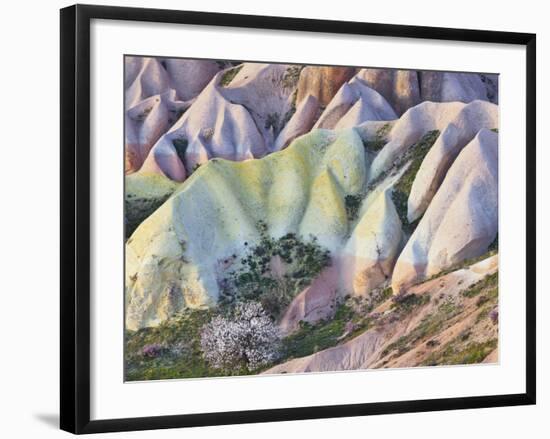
[75,217]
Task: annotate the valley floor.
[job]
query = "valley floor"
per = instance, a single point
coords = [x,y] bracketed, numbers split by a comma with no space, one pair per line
[451,319]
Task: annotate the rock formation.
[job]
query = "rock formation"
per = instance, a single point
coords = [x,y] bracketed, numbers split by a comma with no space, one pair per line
[354,104]
[175,252]
[460,131]
[368,257]
[417,121]
[461,220]
[321,185]
[399,87]
[157,93]
[322,82]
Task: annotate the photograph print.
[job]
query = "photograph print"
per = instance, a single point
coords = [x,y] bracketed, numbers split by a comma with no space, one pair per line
[284,218]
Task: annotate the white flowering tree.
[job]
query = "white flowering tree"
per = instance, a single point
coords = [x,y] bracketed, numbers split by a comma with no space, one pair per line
[245,338]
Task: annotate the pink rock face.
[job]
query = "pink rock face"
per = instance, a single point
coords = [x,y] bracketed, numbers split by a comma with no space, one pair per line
[314,303]
[354,104]
[399,87]
[462,87]
[337,108]
[300,123]
[146,123]
[145,77]
[404,89]
[163,160]
[322,82]
[213,126]
[157,93]
[262,90]
[348,356]
[188,76]
[361,275]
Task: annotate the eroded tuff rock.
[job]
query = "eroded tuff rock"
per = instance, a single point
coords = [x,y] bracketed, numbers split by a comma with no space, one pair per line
[173,257]
[363,263]
[314,303]
[146,77]
[266,92]
[157,93]
[320,185]
[283,101]
[146,122]
[460,131]
[462,87]
[354,104]
[322,82]
[417,121]
[400,87]
[300,123]
[404,89]
[366,261]
[189,76]
[201,133]
[462,218]
[238,116]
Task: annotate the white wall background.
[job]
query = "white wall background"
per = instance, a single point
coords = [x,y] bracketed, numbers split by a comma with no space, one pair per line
[29,244]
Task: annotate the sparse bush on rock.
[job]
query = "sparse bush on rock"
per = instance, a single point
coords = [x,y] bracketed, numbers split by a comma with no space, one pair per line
[255,280]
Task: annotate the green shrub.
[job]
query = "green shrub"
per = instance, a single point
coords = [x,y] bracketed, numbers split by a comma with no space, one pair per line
[353,204]
[379,140]
[229,75]
[311,338]
[304,260]
[180,145]
[402,189]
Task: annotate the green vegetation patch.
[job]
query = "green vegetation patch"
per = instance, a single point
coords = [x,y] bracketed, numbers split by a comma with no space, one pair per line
[170,350]
[379,140]
[272,122]
[180,145]
[311,338]
[228,76]
[353,204]
[404,304]
[493,247]
[488,285]
[254,280]
[288,115]
[402,188]
[292,76]
[457,353]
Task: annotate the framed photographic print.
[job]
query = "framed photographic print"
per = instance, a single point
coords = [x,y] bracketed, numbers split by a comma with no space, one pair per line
[292,219]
